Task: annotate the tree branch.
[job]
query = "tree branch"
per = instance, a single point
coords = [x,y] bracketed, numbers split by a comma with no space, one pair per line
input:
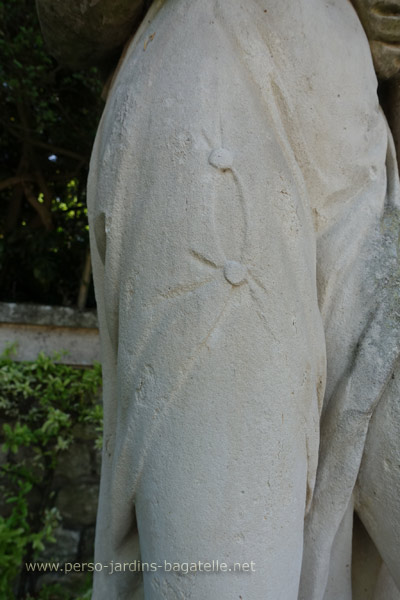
[39,144]
[85,282]
[41,209]
[11,181]
[58,150]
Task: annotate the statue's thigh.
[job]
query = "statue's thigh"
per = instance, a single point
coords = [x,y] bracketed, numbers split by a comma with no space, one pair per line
[378,485]
[224,472]
[210,303]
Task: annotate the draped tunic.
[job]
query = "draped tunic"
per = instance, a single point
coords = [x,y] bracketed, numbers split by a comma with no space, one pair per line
[244,205]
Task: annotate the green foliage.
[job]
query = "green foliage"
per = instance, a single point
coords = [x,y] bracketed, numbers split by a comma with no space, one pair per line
[41,403]
[47,125]
[56,592]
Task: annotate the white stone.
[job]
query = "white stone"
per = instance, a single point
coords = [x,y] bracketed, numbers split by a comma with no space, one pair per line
[221,403]
[221,158]
[235,272]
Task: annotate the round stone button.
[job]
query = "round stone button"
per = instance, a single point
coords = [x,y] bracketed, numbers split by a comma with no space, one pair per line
[221,158]
[235,272]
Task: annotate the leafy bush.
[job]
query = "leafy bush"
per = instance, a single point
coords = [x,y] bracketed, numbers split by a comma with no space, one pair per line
[41,405]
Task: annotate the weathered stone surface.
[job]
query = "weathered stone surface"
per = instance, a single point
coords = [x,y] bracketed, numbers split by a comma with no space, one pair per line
[82,32]
[239,183]
[382,25]
[39,314]
[77,503]
[86,546]
[76,463]
[74,346]
[65,547]
[244,184]
[74,582]
[48,329]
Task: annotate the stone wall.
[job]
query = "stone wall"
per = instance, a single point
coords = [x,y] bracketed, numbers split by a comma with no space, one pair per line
[76,487]
[36,328]
[44,328]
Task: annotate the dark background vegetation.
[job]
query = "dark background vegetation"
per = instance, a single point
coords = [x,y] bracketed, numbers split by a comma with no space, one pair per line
[47,126]
[48,120]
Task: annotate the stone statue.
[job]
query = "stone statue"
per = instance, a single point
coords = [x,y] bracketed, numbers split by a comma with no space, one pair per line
[244,210]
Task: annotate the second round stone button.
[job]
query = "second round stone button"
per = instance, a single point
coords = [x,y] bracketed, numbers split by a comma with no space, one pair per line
[235,272]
